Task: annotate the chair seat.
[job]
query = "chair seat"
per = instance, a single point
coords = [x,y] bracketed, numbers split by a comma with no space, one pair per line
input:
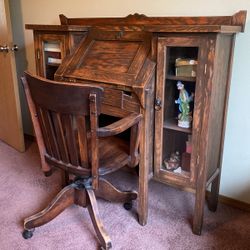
[113,154]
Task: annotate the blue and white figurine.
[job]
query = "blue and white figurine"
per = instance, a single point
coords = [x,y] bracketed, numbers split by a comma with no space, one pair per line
[184,117]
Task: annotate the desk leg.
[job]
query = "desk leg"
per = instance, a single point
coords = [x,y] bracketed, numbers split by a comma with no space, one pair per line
[213,199]
[199,210]
[199,201]
[146,152]
[143,184]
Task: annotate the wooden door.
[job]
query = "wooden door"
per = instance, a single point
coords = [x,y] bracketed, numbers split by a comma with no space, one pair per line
[11,130]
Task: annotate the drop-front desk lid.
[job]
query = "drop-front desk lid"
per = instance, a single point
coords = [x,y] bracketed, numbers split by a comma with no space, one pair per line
[118,58]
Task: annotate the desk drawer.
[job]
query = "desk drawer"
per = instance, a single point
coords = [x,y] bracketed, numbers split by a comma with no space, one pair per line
[120,99]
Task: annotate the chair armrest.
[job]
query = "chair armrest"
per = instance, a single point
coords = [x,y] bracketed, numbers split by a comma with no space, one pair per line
[119,126]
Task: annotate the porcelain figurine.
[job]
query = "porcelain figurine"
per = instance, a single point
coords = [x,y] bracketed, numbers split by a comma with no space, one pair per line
[184,117]
[173,162]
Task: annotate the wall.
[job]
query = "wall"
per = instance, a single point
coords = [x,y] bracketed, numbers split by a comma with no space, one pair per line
[21,62]
[235,181]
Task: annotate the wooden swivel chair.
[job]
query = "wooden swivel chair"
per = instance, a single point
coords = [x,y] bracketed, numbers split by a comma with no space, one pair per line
[68,117]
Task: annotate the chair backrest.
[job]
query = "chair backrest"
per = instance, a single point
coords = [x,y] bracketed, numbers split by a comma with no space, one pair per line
[68,117]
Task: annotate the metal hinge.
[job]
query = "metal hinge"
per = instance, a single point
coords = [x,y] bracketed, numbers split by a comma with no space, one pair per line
[38,54]
[205,69]
[198,160]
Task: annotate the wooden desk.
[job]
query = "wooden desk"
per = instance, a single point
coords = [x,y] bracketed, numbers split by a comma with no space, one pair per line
[128,83]
[120,54]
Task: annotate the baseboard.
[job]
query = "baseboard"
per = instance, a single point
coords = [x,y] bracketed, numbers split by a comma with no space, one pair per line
[233,203]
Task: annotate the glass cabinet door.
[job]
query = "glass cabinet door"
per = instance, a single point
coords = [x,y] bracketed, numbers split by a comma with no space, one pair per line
[176,128]
[50,53]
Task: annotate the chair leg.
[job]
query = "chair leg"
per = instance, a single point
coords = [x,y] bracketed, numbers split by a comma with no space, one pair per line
[95,217]
[63,200]
[108,192]
[74,193]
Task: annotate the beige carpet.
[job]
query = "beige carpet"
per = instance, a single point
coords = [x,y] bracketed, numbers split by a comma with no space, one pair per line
[24,190]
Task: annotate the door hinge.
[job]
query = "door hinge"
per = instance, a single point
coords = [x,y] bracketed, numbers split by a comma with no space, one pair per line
[198,160]
[38,54]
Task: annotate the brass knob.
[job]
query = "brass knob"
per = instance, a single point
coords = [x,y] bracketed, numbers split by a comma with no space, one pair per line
[4,48]
[158,104]
[14,48]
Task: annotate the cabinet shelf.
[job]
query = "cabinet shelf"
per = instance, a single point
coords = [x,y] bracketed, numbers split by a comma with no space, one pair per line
[181,78]
[53,64]
[182,173]
[172,124]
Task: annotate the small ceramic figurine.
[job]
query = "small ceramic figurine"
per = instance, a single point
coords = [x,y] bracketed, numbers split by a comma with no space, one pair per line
[173,162]
[184,117]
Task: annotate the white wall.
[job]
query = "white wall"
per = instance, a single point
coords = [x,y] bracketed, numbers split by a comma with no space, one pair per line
[235,181]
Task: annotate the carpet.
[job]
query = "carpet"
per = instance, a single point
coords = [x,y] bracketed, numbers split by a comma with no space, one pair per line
[24,190]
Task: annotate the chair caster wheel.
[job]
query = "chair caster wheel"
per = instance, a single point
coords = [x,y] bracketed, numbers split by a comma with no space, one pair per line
[27,234]
[128,205]
[108,247]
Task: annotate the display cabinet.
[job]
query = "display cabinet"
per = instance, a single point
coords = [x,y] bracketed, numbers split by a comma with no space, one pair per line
[52,44]
[50,51]
[192,77]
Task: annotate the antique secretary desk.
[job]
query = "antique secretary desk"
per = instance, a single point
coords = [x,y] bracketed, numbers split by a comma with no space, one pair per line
[135,60]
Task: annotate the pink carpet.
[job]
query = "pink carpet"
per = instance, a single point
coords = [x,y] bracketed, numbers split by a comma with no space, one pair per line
[25,190]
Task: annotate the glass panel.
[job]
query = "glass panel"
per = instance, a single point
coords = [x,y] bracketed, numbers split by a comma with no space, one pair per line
[177,53]
[181,64]
[52,57]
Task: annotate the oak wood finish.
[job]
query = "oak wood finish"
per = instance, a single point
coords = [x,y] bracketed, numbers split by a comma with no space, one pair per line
[120,62]
[37,129]
[213,201]
[237,19]
[68,117]
[211,91]
[132,59]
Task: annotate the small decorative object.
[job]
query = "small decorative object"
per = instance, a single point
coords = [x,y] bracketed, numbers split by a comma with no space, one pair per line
[173,162]
[189,144]
[185,67]
[184,117]
[185,161]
